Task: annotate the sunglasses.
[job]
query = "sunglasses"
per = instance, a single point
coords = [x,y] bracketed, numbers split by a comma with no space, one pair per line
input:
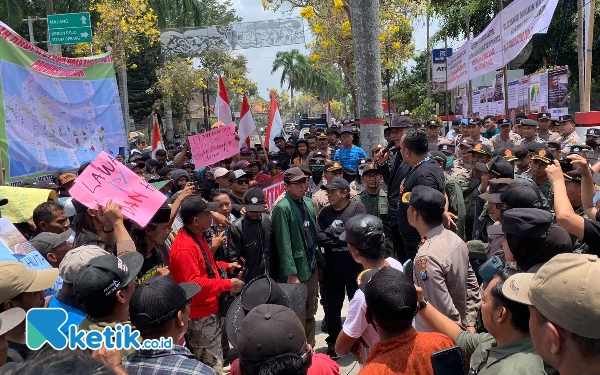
[243,182]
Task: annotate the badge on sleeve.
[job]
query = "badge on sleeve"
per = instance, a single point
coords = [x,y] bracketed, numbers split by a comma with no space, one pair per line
[422,267]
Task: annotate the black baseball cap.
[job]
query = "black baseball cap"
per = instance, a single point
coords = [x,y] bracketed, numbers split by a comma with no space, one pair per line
[593,132]
[449,148]
[526,222]
[474,121]
[45,242]
[520,115]
[391,295]
[363,232]
[433,123]
[337,183]
[572,176]
[194,205]
[506,153]
[289,144]
[270,331]
[504,121]
[402,122]
[371,167]
[332,130]
[278,136]
[135,157]
[467,142]
[318,163]
[566,118]
[521,196]
[520,151]
[456,122]
[553,145]
[498,166]
[544,115]
[318,155]
[543,154]
[495,189]
[264,290]
[97,282]
[239,173]
[159,299]
[438,156]
[480,148]
[528,122]
[425,199]
[254,200]
[273,163]
[578,149]
[132,165]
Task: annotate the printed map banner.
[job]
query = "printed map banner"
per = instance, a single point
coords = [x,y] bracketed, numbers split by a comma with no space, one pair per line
[55,112]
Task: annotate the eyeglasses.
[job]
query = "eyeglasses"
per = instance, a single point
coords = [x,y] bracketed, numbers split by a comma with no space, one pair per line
[300,182]
[243,182]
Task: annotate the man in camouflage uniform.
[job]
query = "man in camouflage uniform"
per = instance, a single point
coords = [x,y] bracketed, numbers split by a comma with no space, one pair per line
[481,154]
[522,164]
[529,133]
[544,132]
[567,131]
[466,161]
[540,159]
[506,138]
[458,173]
[474,130]
[456,202]
[573,185]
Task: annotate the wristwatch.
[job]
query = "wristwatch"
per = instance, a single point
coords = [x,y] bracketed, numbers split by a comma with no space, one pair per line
[423,304]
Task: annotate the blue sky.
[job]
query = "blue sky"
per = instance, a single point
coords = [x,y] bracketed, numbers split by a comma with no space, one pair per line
[260,60]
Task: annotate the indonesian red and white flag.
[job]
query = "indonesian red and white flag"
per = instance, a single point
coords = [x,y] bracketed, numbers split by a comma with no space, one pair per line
[328,112]
[247,125]
[274,125]
[222,108]
[157,143]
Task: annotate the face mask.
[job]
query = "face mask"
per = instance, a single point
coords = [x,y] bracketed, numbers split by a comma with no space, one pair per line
[449,161]
[592,143]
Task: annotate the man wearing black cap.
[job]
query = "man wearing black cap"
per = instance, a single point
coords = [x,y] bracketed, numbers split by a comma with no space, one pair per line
[425,171]
[456,202]
[52,246]
[159,308]
[191,260]
[568,137]
[523,162]
[316,180]
[331,170]
[239,182]
[442,265]
[295,230]
[480,154]
[540,159]
[340,269]
[529,133]
[544,122]
[433,134]
[288,154]
[474,130]
[451,166]
[506,138]
[104,287]
[391,306]
[394,173]
[249,240]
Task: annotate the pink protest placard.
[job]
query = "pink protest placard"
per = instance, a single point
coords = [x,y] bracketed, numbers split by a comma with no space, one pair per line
[214,146]
[106,178]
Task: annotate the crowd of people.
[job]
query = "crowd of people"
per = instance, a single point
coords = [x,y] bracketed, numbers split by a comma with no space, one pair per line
[486,239]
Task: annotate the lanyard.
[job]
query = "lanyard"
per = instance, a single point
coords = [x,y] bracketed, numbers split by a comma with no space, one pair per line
[411,171]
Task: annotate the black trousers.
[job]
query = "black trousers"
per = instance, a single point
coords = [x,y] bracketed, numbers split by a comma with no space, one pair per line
[402,251]
[337,288]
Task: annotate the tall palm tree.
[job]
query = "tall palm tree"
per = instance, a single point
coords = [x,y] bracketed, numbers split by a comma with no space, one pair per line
[294,70]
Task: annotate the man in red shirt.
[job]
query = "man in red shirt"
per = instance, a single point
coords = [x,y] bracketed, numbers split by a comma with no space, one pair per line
[391,306]
[191,260]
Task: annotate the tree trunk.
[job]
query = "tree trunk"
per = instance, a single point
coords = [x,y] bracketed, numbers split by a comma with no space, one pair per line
[292,103]
[351,82]
[367,57]
[580,55]
[168,108]
[122,73]
[54,49]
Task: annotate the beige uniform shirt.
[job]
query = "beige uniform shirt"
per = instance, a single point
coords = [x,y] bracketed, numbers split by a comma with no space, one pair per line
[571,139]
[320,200]
[442,269]
[499,143]
[485,141]
[549,137]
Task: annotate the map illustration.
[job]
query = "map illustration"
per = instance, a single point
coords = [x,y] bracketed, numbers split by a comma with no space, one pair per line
[54,124]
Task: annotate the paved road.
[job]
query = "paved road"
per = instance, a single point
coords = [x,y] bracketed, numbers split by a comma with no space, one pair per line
[348,366]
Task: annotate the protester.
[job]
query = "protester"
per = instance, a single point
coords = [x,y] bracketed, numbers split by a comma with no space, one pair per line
[23,288]
[159,308]
[150,242]
[294,225]
[424,172]
[302,149]
[249,240]
[50,217]
[190,260]
[53,247]
[489,123]
[349,154]
[239,182]
[272,341]
[340,269]
[562,306]
[391,306]
[507,348]
[217,235]
[101,224]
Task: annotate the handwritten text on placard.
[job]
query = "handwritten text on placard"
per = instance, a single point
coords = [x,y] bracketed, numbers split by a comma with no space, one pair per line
[213,146]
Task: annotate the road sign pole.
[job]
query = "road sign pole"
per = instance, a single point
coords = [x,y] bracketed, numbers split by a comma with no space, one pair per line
[30,26]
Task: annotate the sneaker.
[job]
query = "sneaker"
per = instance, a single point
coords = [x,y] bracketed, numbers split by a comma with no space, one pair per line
[331,351]
[324,326]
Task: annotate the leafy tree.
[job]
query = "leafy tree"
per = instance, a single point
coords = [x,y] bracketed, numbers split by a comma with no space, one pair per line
[294,70]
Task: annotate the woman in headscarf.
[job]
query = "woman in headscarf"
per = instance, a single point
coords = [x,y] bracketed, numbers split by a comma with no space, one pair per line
[532,238]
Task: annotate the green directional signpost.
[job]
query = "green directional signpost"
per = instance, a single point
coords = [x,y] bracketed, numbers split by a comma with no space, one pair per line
[70,28]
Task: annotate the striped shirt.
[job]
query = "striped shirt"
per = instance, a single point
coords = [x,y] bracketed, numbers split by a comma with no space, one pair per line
[349,158]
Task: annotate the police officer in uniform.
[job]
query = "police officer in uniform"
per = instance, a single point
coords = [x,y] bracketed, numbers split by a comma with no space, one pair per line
[441,266]
[540,159]
[459,174]
[466,160]
[330,171]
[506,138]
[529,133]
[568,137]
[544,132]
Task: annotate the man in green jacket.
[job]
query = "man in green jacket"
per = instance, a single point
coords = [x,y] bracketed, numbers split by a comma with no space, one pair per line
[295,230]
